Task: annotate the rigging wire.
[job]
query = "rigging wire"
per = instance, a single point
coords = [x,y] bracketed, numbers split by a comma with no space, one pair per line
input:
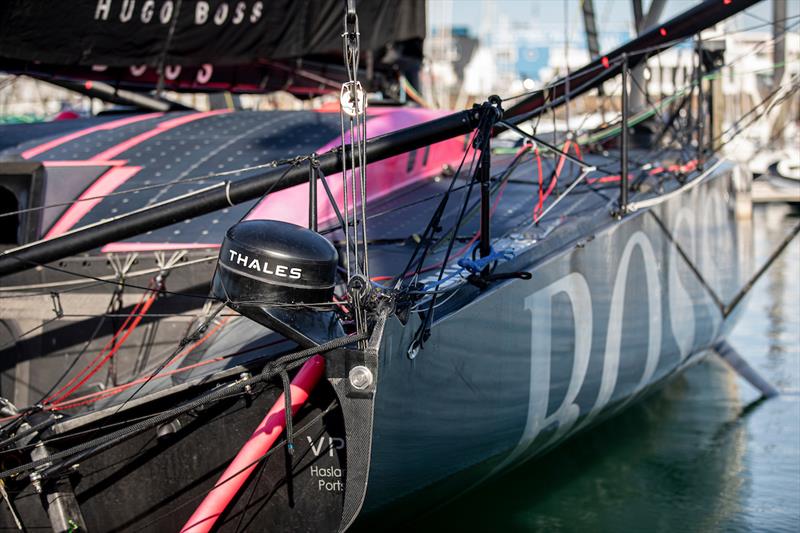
[89,398]
[160,185]
[277,446]
[271,369]
[646,50]
[417,258]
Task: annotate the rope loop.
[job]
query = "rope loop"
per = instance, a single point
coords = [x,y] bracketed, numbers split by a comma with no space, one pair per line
[476,266]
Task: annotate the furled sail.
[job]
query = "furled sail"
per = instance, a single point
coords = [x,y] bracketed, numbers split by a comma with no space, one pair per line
[238,45]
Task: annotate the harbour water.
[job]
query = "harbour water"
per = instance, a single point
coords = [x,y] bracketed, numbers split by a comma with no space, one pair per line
[702,454]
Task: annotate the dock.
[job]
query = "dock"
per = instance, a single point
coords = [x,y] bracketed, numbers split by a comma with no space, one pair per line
[766,192]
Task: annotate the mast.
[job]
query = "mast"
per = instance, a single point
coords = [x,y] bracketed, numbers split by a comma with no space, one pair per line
[590,26]
[643,22]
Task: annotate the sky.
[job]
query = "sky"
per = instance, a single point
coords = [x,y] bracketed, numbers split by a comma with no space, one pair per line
[560,15]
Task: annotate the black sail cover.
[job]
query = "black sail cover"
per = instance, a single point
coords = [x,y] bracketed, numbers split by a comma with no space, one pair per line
[238,45]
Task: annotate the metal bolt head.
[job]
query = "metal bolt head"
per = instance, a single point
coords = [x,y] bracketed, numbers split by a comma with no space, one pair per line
[36,481]
[360,377]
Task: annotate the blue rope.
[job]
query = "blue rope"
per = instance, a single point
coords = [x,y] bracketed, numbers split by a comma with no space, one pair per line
[476,266]
[473,266]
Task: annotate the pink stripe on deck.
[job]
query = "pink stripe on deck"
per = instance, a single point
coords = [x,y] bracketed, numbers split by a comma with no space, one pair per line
[36,150]
[81,163]
[153,246]
[105,184]
[160,128]
[116,176]
[290,205]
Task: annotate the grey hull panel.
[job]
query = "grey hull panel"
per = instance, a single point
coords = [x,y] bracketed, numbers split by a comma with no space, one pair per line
[529,363]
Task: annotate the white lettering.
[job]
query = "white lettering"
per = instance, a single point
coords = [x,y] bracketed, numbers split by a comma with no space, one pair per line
[335,444]
[255,14]
[324,471]
[103,9]
[315,450]
[137,70]
[256,264]
[126,14]
[608,379]
[148,10]
[221,15]
[681,309]
[540,306]
[165,15]
[201,13]
[239,12]
[715,237]
[330,486]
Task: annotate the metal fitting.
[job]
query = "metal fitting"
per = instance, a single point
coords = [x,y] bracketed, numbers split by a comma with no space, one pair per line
[360,377]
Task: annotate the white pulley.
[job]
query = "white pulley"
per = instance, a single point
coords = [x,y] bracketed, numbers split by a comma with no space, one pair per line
[353,99]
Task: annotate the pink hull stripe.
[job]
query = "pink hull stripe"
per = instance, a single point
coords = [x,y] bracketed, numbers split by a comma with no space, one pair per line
[385,176]
[289,205]
[113,163]
[160,128]
[36,150]
[153,246]
[108,182]
[116,176]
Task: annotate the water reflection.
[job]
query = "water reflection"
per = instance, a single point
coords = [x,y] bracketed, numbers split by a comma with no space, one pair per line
[703,454]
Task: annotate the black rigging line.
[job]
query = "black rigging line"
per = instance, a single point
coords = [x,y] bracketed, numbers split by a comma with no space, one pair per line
[275,448]
[293,163]
[795,85]
[160,185]
[105,281]
[28,332]
[181,345]
[271,369]
[71,435]
[482,142]
[497,182]
[431,228]
[653,48]
[77,358]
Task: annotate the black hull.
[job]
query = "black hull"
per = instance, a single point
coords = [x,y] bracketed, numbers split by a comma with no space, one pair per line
[155,480]
[606,319]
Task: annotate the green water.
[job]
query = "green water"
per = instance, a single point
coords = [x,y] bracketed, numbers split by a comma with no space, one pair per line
[703,454]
